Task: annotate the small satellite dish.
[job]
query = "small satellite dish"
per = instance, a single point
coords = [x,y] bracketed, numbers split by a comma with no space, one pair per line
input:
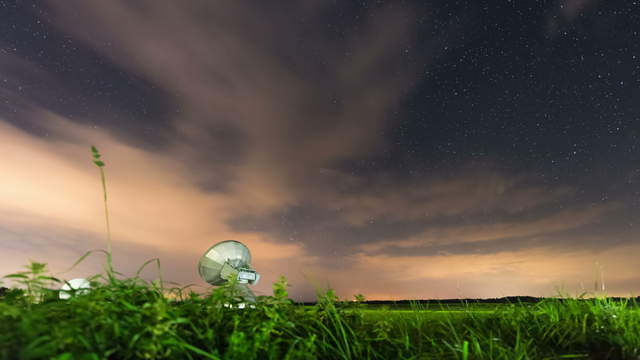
[74,286]
[228,260]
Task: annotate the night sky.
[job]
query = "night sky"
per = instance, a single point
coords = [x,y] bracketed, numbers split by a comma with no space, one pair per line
[398,149]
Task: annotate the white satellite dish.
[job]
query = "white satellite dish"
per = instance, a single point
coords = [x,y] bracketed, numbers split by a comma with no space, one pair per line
[74,286]
[228,260]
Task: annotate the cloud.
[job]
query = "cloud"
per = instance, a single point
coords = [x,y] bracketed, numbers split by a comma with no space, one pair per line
[528,272]
[566,12]
[19,77]
[550,223]
[297,99]
[52,207]
[571,9]
[470,190]
[263,106]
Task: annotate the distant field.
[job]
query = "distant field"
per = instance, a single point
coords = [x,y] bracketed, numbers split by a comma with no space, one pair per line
[443,311]
[396,314]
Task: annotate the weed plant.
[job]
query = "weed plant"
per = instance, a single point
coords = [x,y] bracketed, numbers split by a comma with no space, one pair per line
[129,318]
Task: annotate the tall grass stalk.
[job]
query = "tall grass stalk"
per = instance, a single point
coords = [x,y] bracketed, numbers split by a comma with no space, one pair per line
[100,164]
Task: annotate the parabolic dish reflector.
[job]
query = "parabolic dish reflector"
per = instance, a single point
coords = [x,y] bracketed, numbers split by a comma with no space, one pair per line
[212,262]
[75,286]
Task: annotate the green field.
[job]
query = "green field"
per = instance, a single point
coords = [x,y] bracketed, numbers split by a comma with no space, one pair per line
[132,319]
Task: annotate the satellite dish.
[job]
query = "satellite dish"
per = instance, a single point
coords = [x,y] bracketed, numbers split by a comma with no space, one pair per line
[74,286]
[228,260]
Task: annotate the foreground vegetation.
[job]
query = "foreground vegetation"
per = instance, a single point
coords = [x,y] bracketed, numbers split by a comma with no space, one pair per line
[128,318]
[131,319]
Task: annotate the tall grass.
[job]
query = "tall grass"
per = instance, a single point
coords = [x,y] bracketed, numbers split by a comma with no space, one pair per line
[128,318]
[100,164]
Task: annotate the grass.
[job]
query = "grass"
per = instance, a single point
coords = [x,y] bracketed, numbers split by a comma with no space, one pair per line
[129,318]
[132,319]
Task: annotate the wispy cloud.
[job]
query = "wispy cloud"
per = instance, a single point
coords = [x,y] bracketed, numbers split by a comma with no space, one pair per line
[296,99]
[566,12]
[51,198]
[257,120]
[471,190]
[529,272]
[549,223]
